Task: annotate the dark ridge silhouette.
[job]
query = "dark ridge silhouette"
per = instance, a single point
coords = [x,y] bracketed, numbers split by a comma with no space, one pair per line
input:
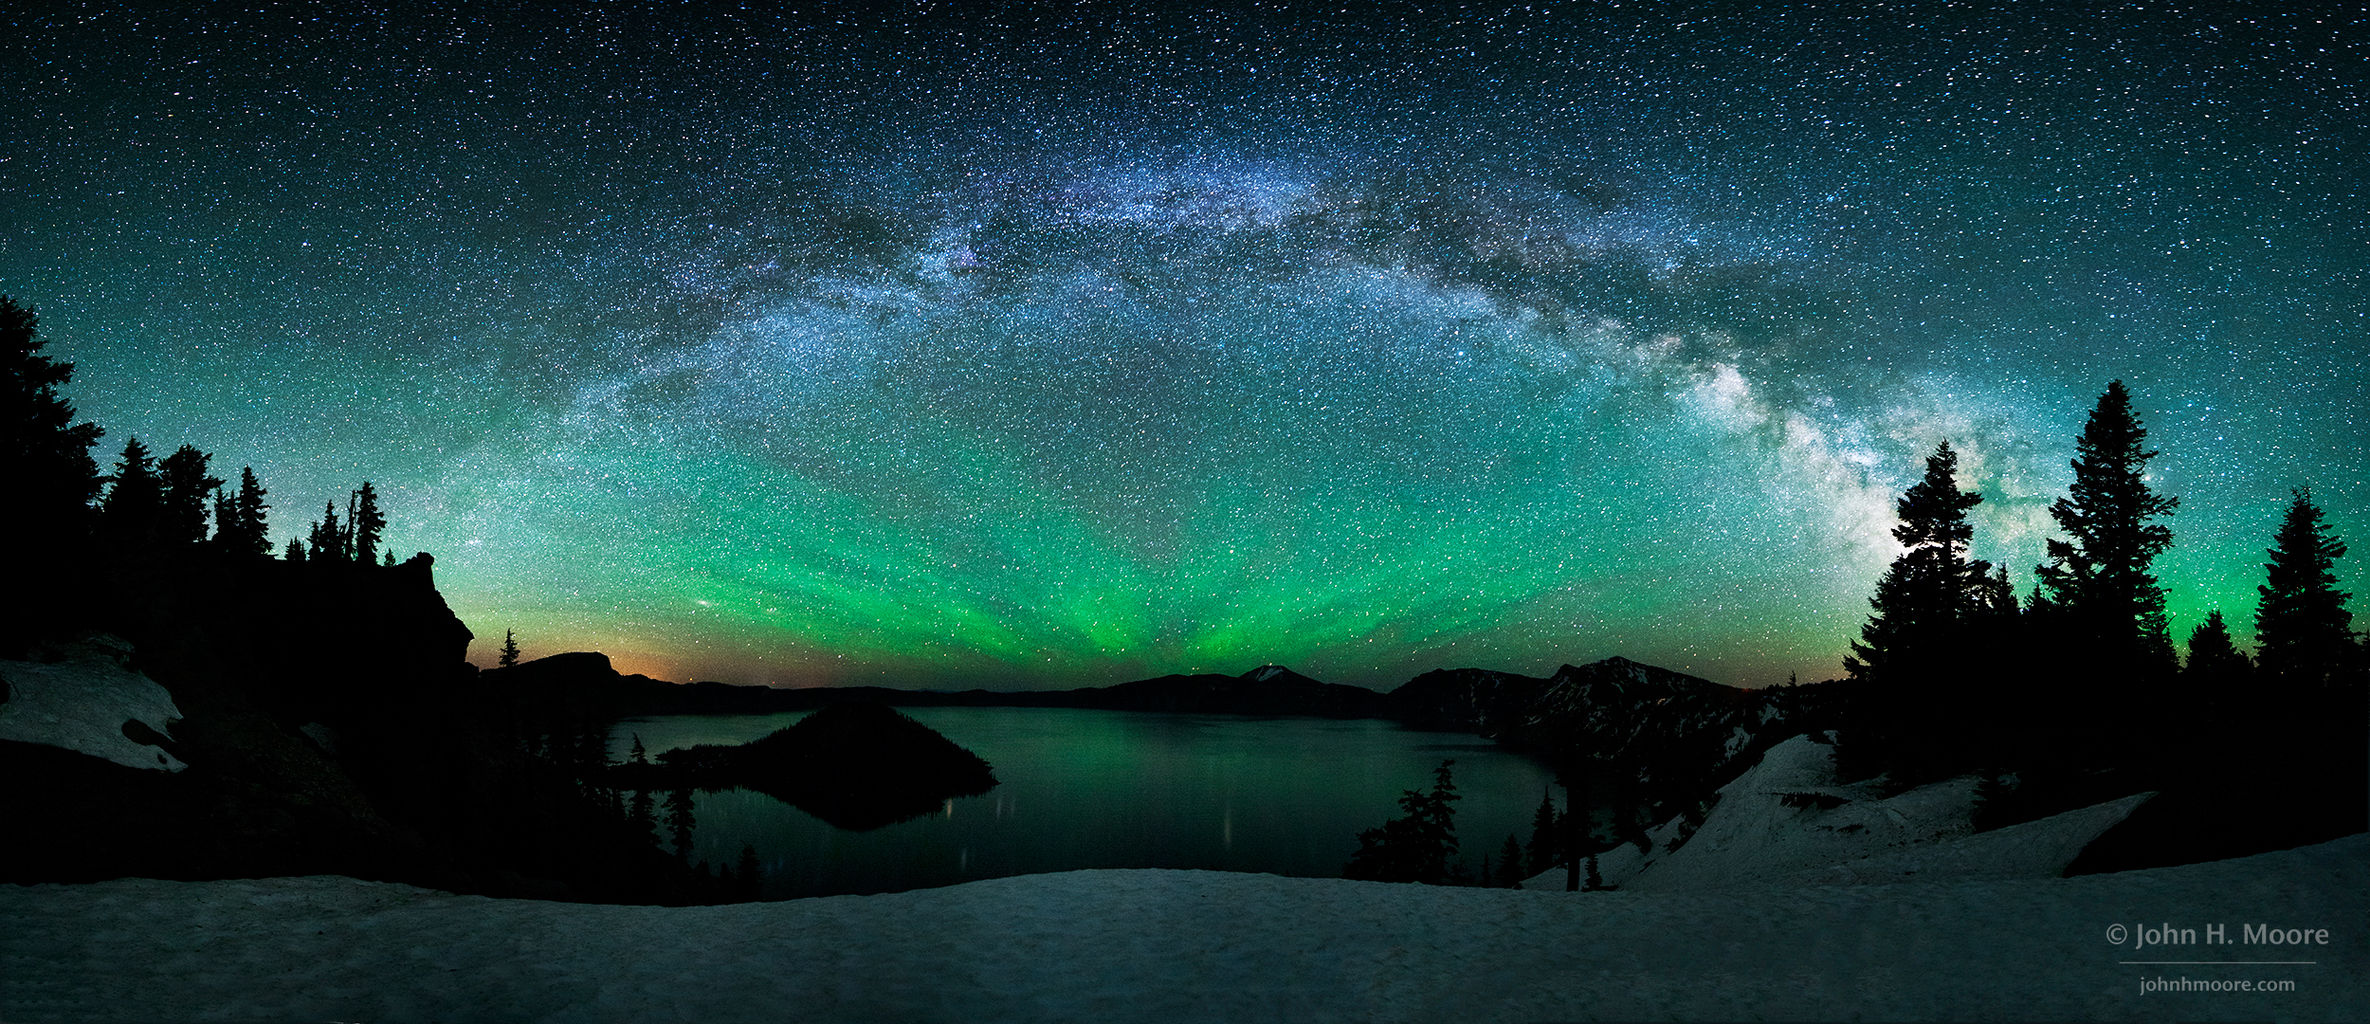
[858,766]
[588,678]
[1462,699]
[330,726]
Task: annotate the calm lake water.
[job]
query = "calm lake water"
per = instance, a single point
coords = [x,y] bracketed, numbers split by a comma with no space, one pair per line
[1115,789]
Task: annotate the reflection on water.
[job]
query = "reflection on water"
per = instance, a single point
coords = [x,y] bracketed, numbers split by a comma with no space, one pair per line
[1114,789]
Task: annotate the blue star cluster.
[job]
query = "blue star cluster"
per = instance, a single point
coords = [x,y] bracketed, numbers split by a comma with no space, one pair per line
[938,345]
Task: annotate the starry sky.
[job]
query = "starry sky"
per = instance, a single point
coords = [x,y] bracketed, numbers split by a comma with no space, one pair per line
[927,345]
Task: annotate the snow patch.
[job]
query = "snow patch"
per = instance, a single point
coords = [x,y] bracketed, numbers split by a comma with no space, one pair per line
[1787,822]
[83,703]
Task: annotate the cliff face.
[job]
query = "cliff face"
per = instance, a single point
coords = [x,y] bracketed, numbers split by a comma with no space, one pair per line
[307,640]
[1473,700]
[1659,739]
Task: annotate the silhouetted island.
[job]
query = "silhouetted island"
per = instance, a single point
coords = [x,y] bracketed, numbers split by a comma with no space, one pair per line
[857,766]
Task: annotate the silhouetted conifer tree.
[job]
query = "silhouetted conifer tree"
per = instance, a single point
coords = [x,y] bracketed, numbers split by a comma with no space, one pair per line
[51,480]
[1932,610]
[680,822]
[365,523]
[1420,845]
[238,520]
[2303,634]
[51,476]
[1930,595]
[225,519]
[295,552]
[2216,666]
[186,488]
[249,532]
[2099,578]
[329,542]
[510,651]
[132,514]
[1543,833]
[1510,873]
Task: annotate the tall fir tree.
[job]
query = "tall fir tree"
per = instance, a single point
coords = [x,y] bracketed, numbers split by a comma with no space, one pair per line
[2099,578]
[2303,633]
[510,653]
[329,541]
[250,532]
[45,457]
[366,524]
[1930,594]
[187,487]
[1544,830]
[226,519]
[48,466]
[132,514]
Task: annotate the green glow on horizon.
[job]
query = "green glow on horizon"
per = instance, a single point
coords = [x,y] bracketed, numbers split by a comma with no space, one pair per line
[754,364]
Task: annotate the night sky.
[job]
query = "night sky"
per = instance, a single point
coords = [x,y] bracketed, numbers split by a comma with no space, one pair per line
[926,346]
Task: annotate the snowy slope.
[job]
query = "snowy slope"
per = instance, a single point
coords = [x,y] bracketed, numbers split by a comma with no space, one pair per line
[82,702]
[1171,945]
[1787,821]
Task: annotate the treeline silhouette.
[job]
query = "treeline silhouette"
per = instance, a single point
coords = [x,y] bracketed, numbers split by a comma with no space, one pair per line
[2076,694]
[2068,697]
[331,723]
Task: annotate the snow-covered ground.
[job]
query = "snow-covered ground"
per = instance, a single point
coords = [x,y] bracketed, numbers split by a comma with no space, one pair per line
[1787,821]
[1186,945]
[82,702]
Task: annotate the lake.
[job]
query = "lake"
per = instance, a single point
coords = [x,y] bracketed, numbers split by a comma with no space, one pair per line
[1115,789]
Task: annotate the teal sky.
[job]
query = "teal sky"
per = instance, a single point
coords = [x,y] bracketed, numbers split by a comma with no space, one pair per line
[887,344]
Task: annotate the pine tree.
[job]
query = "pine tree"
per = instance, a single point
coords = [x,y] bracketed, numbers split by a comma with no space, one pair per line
[294,555]
[1509,864]
[365,523]
[2216,668]
[680,822]
[329,542]
[226,519]
[510,652]
[2303,634]
[44,455]
[245,532]
[2099,578]
[186,487]
[1932,592]
[132,513]
[1418,846]
[1543,832]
